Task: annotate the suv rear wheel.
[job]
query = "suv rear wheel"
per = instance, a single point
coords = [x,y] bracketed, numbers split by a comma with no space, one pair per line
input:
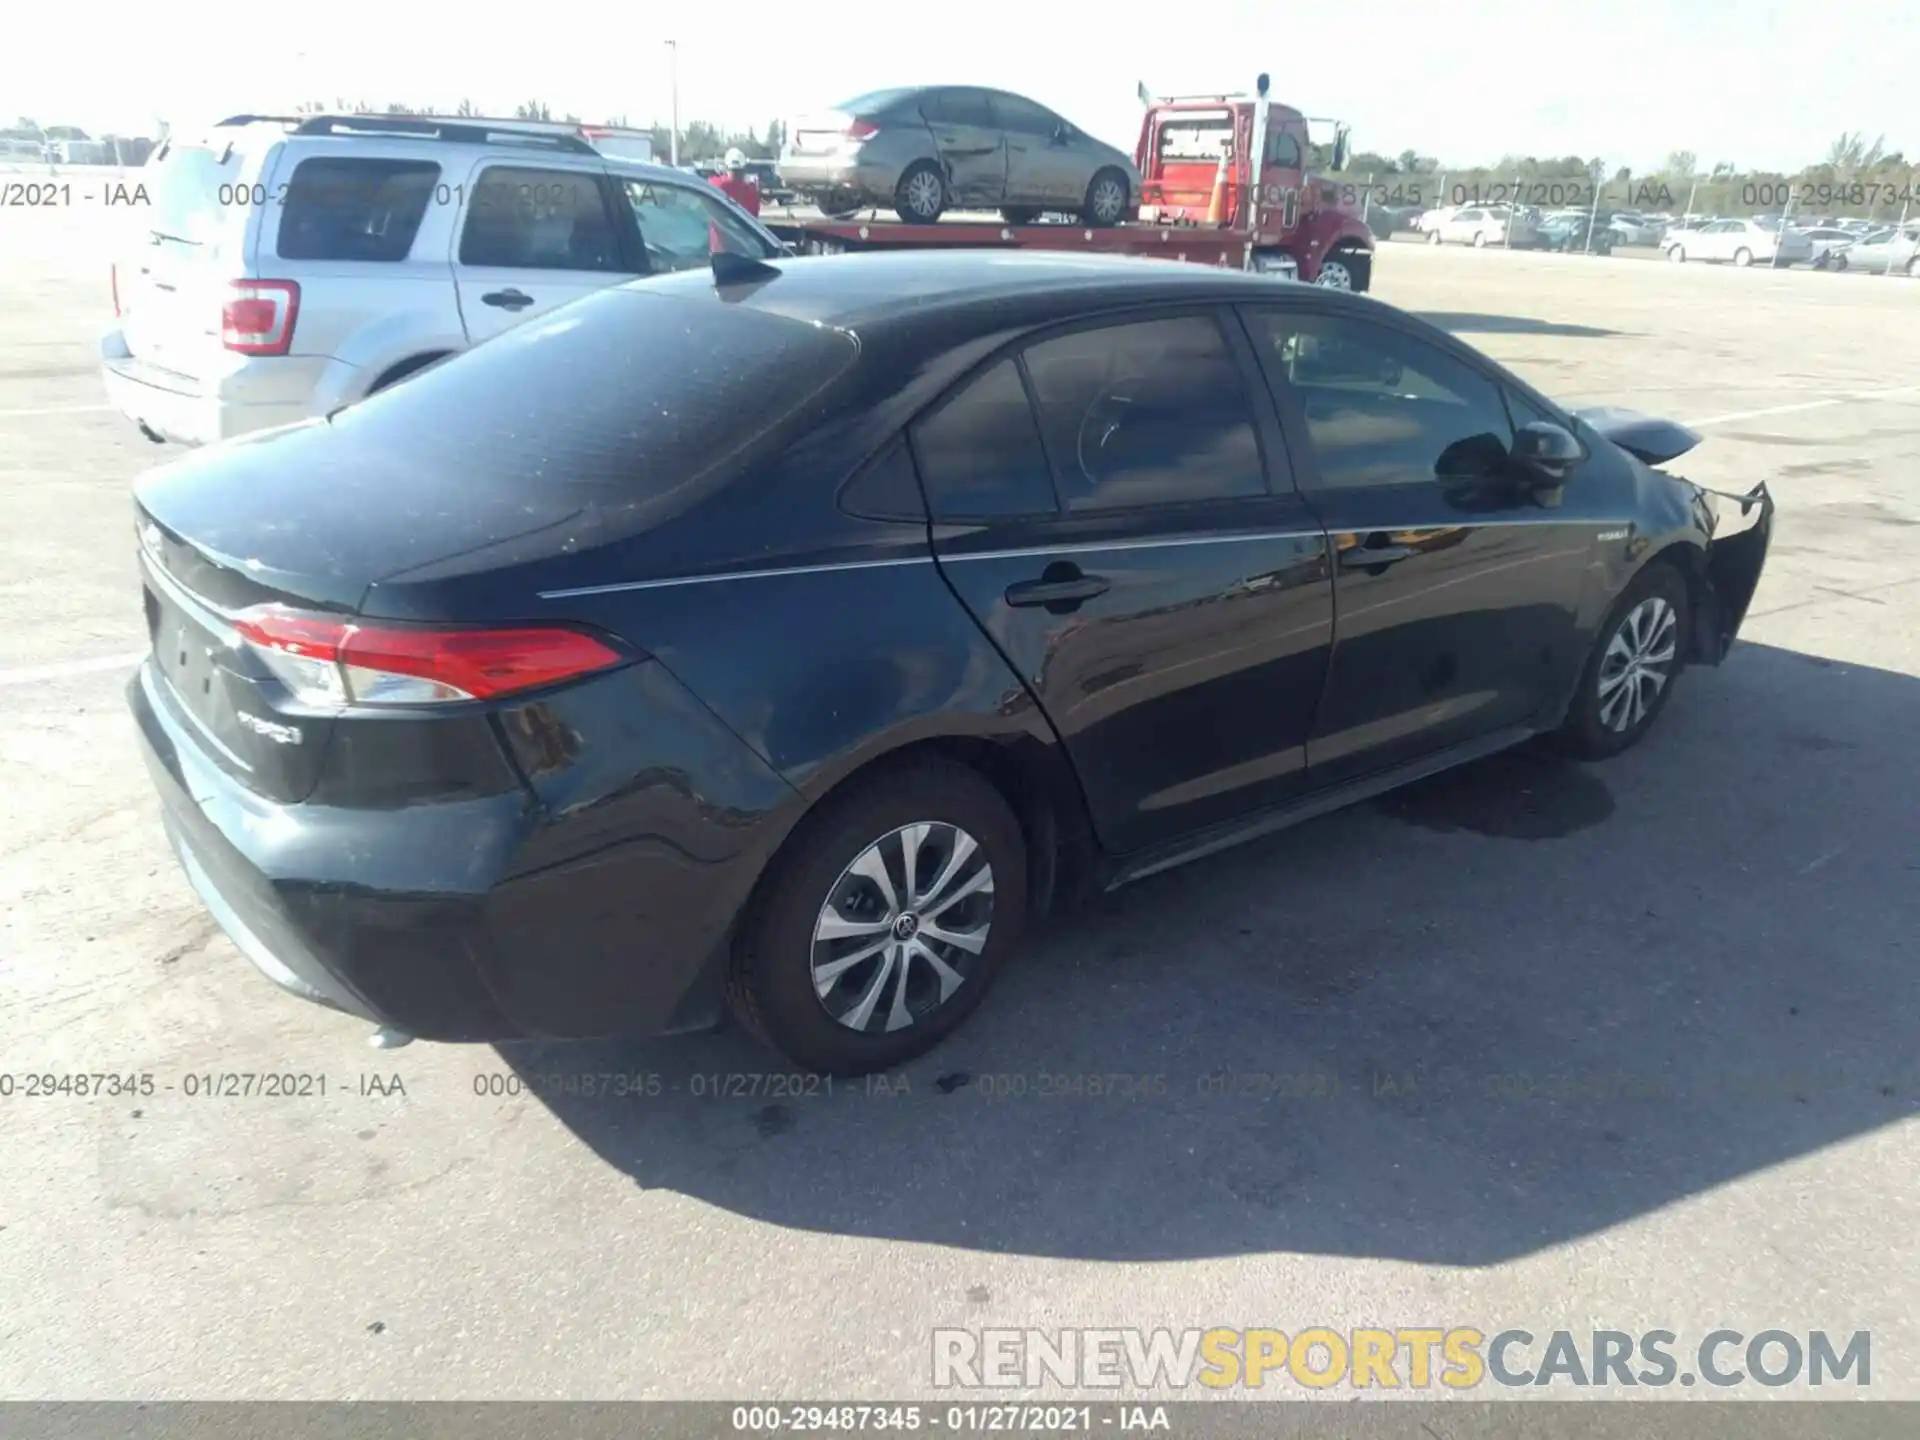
[883,920]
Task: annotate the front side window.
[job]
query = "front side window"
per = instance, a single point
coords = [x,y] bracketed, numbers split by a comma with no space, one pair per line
[1382,407]
[1152,412]
[682,229]
[524,217]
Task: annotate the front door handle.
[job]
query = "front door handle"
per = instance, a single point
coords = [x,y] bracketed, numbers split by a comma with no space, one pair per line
[1364,557]
[507,299]
[1066,591]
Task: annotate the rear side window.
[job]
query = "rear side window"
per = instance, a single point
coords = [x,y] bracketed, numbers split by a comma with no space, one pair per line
[980,455]
[341,208]
[527,218]
[957,107]
[1150,413]
[624,395]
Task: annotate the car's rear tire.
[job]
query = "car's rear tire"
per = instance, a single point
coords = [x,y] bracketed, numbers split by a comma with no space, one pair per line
[921,196]
[1479,239]
[1106,199]
[1636,659]
[826,968]
[1677,254]
[1743,257]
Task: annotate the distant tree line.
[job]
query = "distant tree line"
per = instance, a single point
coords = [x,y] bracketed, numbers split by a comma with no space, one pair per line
[1856,177]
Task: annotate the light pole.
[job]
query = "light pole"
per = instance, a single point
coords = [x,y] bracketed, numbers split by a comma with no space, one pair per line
[673,86]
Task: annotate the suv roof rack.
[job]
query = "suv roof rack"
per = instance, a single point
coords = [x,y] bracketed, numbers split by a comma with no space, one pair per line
[262,120]
[464,130]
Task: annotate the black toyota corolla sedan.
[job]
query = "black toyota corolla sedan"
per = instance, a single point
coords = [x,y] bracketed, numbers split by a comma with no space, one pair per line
[785,636]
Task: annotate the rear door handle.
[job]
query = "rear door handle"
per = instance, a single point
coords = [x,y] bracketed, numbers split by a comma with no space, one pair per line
[507,299]
[1057,592]
[1362,557]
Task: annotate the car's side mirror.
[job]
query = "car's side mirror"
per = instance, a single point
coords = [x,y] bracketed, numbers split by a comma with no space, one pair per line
[1547,453]
[1063,134]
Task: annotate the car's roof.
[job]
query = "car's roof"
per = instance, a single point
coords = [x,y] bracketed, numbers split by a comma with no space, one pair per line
[918,286]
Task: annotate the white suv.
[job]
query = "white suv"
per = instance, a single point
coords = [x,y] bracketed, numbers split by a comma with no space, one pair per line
[289,266]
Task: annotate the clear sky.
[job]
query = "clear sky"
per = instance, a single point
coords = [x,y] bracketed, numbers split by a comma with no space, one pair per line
[1765,85]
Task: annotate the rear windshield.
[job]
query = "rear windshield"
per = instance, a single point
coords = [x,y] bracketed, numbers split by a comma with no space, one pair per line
[622,397]
[196,193]
[874,101]
[341,208]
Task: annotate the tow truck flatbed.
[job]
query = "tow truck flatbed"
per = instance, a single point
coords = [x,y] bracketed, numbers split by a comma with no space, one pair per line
[1196,244]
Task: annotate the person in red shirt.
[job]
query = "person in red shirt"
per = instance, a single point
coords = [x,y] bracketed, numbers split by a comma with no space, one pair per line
[736,185]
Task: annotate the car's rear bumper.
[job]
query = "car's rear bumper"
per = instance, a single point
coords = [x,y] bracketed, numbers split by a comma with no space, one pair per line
[838,176]
[189,410]
[496,917]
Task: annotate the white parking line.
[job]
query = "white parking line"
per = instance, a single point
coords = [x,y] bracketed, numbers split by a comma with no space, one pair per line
[60,669]
[1806,405]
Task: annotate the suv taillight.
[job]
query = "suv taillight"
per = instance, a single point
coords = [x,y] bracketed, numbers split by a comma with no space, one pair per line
[861,130]
[258,316]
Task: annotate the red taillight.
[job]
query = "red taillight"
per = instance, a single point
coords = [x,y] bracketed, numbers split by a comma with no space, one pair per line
[861,130]
[258,316]
[113,279]
[330,662]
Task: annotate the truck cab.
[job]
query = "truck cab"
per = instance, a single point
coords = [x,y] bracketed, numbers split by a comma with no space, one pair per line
[1290,212]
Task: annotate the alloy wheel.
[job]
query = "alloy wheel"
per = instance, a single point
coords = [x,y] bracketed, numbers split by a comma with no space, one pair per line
[901,929]
[1108,200]
[1637,664]
[924,193]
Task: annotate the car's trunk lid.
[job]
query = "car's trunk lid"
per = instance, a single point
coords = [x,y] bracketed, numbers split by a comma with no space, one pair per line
[502,468]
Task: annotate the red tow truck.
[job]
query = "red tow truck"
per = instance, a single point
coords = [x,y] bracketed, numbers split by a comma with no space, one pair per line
[1290,223]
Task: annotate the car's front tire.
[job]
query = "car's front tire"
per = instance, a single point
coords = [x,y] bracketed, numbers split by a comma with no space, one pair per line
[1638,656]
[883,920]
[1106,199]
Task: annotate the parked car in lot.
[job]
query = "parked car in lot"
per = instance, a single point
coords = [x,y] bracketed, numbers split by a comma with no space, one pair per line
[1575,231]
[1740,242]
[1882,252]
[790,634]
[1634,230]
[1483,225]
[924,150]
[1828,242]
[289,267]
